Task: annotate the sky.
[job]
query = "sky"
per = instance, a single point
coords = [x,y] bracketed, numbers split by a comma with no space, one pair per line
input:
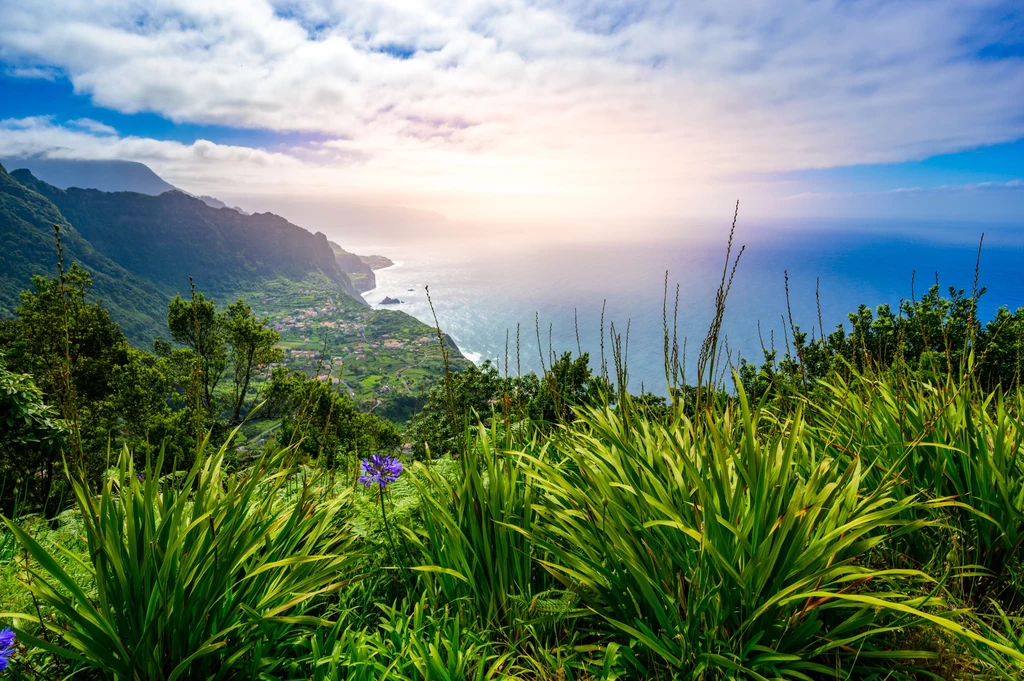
[516,110]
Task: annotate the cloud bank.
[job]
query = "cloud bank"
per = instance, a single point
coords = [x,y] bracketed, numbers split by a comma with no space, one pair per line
[545,106]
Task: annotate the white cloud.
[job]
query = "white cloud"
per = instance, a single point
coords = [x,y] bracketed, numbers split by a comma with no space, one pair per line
[92,126]
[32,72]
[970,203]
[576,105]
[200,164]
[972,187]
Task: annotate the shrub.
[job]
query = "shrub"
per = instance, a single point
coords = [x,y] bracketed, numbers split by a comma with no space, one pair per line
[206,577]
[724,552]
[946,440]
[474,540]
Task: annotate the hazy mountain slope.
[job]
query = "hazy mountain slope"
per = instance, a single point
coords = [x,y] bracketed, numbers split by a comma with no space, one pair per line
[26,232]
[359,272]
[173,236]
[376,262]
[107,176]
[359,268]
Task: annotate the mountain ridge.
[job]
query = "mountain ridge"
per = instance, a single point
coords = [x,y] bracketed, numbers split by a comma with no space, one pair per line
[26,225]
[222,250]
[129,176]
[141,249]
[360,268]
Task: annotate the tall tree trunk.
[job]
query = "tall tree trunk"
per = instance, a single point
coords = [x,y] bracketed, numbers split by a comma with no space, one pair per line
[240,394]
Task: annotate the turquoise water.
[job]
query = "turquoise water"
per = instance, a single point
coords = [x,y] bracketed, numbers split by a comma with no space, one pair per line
[483,288]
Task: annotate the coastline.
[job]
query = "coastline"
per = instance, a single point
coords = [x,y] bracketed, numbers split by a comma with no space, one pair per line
[414,303]
[479,294]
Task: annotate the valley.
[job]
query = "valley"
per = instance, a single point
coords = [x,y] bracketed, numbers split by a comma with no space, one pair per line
[385,360]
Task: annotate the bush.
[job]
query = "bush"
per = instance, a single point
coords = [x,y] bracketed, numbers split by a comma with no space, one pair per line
[207,576]
[722,552]
[478,557]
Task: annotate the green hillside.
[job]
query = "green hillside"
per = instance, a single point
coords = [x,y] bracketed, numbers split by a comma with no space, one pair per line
[26,231]
[173,236]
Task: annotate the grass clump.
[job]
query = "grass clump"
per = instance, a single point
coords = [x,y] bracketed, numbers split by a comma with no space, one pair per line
[206,576]
[722,550]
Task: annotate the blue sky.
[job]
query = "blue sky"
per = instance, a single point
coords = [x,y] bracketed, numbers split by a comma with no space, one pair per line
[995,163]
[31,97]
[511,108]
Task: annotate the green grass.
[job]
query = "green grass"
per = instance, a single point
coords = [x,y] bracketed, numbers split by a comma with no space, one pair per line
[867,525]
[871,531]
[186,581]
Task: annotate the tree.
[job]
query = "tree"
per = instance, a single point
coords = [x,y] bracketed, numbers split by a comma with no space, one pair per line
[70,346]
[322,422]
[1001,355]
[63,339]
[252,348]
[140,395]
[463,395]
[567,383]
[480,392]
[196,324]
[31,437]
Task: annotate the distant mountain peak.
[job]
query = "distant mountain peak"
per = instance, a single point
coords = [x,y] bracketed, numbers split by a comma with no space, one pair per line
[107,176]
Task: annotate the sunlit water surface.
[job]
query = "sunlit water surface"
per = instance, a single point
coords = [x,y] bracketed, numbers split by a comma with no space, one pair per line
[483,288]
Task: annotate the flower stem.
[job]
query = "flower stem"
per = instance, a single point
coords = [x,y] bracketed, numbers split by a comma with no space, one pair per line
[391,540]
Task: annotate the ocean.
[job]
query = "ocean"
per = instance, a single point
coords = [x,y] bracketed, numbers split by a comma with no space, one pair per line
[482,288]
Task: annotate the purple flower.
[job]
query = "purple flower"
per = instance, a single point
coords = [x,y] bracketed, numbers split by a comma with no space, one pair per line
[6,647]
[380,470]
[140,477]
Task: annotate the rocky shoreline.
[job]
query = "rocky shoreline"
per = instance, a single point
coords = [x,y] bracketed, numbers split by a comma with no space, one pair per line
[360,268]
